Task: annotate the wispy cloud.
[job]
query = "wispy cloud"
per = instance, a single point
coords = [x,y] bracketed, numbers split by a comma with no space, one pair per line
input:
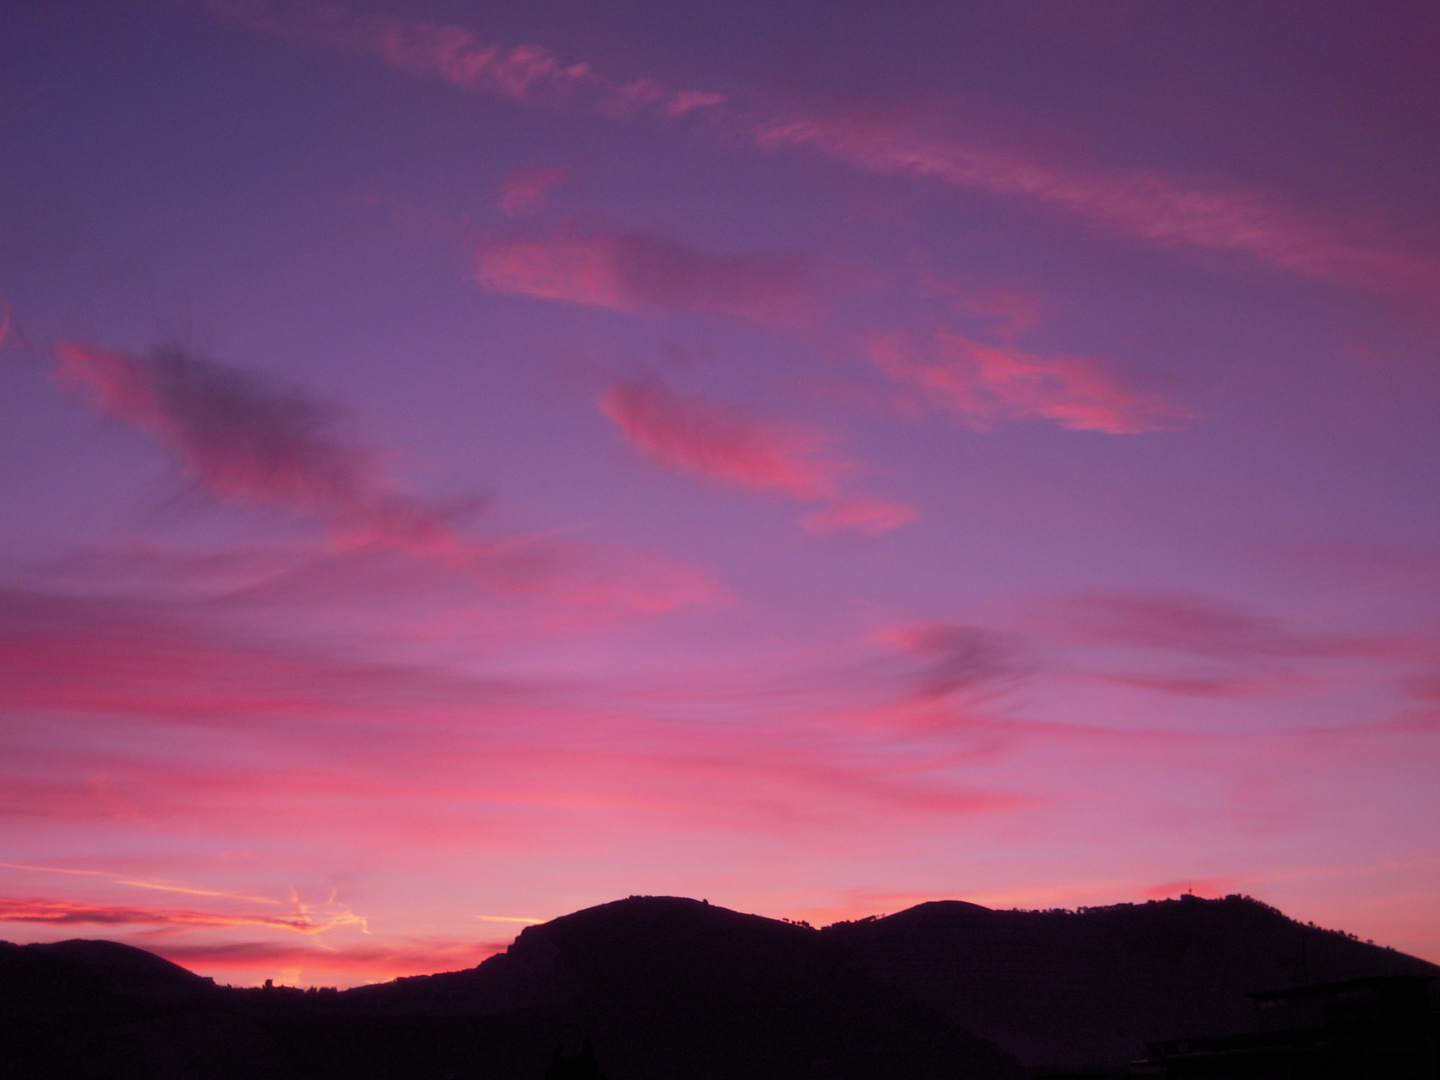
[863,513]
[1010,313]
[528,190]
[1146,206]
[1192,646]
[1184,623]
[117,655]
[525,73]
[71,913]
[729,447]
[246,441]
[986,383]
[639,272]
[969,661]
[1221,218]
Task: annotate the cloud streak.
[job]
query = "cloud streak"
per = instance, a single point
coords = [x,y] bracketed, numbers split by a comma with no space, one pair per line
[728,447]
[1183,623]
[528,190]
[1145,206]
[1140,205]
[1191,646]
[640,272]
[967,661]
[525,73]
[71,913]
[984,384]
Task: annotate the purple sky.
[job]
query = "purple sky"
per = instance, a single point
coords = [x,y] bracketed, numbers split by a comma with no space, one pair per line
[463,462]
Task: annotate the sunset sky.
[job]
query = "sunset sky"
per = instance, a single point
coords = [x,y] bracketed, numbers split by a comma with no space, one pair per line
[462,462]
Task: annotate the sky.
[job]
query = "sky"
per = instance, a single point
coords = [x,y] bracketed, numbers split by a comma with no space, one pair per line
[462,462]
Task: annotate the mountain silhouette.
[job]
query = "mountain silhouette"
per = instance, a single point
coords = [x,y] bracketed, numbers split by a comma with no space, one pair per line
[665,988]
[1089,988]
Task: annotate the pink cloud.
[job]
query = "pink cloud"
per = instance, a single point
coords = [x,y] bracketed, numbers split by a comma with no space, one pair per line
[986,383]
[71,913]
[246,441]
[1011,313]
[392,758]
[862,513]
[117,655]
[635,272]
[731,448]
[718,443]
[528,190]
[1141,205]
[525,73]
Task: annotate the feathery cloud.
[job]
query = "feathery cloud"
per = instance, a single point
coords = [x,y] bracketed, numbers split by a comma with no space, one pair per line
[986,383]
[526,73]
[73,913]
[1140,205]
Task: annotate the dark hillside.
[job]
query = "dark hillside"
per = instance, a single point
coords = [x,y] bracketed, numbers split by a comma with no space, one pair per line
[1090,987]
[674,989]
[97,1008]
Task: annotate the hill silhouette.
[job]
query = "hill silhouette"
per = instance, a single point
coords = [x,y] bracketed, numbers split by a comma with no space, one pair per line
[666,988]
[1089,988]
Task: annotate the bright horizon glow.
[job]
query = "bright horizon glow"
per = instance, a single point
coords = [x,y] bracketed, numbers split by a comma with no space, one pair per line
[463,463]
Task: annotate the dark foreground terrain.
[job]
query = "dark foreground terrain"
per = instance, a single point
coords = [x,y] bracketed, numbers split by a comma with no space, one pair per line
[675,989]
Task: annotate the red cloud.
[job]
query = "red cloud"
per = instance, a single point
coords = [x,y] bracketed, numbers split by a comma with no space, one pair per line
[985,383]
[635,272]
[724,445]
[528,190]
